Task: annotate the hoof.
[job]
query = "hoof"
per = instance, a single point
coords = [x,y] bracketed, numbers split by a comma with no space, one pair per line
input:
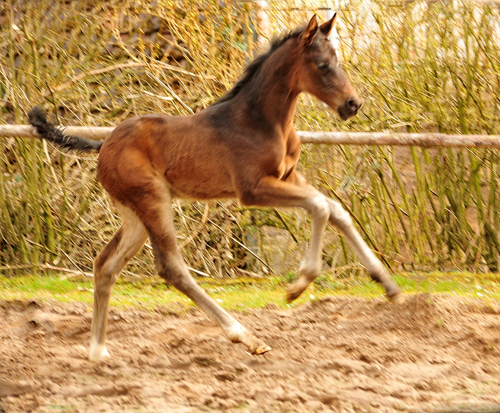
[397,299]
[292,295]
[393,292]
[296,289]
[261,350]
[254,345]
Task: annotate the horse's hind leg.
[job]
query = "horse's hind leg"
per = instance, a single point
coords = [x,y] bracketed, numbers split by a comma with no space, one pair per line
[157,215]
[107,267]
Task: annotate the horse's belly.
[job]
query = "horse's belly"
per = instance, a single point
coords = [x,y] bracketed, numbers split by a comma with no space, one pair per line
[200,184]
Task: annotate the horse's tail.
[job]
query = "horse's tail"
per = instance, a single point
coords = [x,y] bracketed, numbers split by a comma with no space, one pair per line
[47,130]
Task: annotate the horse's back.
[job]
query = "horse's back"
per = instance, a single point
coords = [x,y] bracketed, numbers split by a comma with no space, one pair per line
[184,150]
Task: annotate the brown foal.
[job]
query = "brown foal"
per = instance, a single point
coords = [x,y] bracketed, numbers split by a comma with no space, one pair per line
[242,146]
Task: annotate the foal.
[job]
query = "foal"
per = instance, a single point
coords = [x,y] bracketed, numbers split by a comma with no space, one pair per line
[242,146]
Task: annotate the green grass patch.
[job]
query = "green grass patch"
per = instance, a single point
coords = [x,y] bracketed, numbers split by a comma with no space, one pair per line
[243,293]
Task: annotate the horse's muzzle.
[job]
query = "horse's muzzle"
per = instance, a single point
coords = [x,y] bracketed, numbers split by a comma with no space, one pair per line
[350,108]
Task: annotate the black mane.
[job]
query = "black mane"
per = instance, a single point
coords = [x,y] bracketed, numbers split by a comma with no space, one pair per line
[254,66]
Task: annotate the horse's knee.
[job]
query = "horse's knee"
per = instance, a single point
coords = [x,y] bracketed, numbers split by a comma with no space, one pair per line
[339,216]
[320,208]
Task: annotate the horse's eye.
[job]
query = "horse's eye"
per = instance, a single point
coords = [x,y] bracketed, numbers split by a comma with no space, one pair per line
[323,66]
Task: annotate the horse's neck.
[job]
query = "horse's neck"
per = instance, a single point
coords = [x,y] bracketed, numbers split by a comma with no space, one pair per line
[274,90]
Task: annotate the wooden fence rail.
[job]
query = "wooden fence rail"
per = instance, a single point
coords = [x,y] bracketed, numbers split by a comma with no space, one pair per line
[333,138]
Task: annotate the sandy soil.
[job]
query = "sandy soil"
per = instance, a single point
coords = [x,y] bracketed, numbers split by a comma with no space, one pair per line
[432,354]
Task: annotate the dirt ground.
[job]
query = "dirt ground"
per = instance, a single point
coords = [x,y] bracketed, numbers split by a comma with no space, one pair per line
[342,354]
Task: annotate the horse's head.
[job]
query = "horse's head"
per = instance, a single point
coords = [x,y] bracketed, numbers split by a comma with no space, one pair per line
[321,73]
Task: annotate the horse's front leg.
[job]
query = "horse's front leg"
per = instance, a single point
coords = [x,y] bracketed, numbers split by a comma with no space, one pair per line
[341,219]
[295,192]
[310,268]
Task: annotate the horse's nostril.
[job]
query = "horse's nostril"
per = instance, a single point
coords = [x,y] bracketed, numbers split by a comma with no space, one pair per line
[354,104]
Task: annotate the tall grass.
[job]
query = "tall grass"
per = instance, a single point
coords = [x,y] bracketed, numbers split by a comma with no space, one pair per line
[419,67]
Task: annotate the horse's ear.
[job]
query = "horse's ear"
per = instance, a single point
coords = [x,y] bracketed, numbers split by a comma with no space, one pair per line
[327,27]
[309,33]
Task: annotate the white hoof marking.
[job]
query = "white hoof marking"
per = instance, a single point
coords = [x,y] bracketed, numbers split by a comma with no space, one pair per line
[236,333]
[97,352]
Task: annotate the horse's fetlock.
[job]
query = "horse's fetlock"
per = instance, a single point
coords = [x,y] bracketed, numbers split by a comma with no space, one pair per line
[97,352]
[310,270]
[377,271]
[236,333]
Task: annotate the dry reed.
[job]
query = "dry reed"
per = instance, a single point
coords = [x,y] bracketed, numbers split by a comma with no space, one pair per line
[420,67]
